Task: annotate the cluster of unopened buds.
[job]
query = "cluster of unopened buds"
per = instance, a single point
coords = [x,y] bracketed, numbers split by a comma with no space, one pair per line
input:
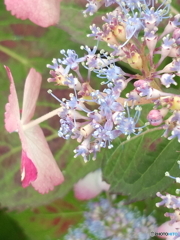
[115,222]
[96,117]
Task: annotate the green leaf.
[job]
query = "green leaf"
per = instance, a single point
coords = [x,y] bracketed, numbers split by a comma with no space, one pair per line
[52,221]
[9,228]
[137,167]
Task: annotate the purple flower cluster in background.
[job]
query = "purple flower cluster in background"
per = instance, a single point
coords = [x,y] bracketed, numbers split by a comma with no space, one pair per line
[115,222]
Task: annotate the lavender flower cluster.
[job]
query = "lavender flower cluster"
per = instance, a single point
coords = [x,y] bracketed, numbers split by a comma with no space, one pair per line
[95,118]
[103,221]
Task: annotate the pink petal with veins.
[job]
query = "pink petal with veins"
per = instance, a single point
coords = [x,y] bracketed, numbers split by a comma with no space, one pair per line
[12,115]
[28,170]
[31,93]
[37,149]
[90,186]
[38,166]
[41,12]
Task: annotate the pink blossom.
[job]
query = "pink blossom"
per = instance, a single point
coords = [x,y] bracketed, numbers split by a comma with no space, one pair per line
[90,186]
[41,12]
[38,166]
[166,227]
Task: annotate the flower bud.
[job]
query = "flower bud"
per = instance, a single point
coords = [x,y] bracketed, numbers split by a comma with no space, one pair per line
[176,36]
[59,79]
[120,33]
[86,130]
[172,103]
[135,61]
[155,117]
[175,103]
[111,39]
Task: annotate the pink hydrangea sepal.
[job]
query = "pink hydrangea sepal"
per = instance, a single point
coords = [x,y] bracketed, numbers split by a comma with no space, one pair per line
[28,170]
[48,172]
[90,186]
[12,115]
[41,12]
[31,93]
[38,167]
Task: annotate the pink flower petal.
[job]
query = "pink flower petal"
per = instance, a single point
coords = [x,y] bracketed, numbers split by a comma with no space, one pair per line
[41,12]
[28,170]
[12,115]
[166,227]
[90,186]
[38,166]
[48,172]
[31,93]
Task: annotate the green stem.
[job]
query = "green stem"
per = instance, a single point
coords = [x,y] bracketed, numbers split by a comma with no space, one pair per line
[41,119]
[14,55]
[173,10]
[108,196]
